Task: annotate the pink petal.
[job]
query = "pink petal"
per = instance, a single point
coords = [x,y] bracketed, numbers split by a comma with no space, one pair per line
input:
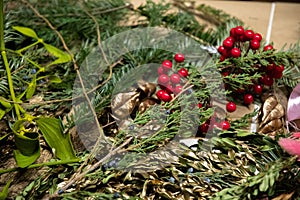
[293,109]
[296,135]
[291,146]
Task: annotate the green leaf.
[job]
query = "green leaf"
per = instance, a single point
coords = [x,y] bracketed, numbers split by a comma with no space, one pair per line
[105,180]
[2,113]
[26,31]
[4,192]
[31,88]
[55,51]
[5,104]
[242,133]
[53,134]
[26,160]
[54,79]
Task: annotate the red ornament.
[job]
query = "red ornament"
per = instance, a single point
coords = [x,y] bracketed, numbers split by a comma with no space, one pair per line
[221,49]
[254,44]
[163,79]
[235,52]
[248,99]
[249,34]
[257,89]
[230,107]
[167,65]
[183,72]
[257,37]
[268,47]
[179,57]
[159,93]
[267,80]
[175,78]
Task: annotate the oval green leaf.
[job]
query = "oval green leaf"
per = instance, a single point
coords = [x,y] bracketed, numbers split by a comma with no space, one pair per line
[26,31]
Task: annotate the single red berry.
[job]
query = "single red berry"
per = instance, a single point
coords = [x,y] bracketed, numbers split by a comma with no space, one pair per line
[225,125]
[232,32]
[239,30]
[165,96]
[267,80]
[231,39]
[277,74]
[222,58]
[160,71]
[204,127]
[248,99]
[254,44]
[257,37]
[230,107]
[257,89]
[268,47]
[177,89]
[271,67]
[167,65]
[235,52]
[249,34]
[175,78]
[221,49]
[183,72]
[279,68]
[200,105]
[179,57]
[159,93]
[228,43]
[225,74]
[163,79]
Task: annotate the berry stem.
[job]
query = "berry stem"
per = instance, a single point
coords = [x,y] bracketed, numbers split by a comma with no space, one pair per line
[4,57]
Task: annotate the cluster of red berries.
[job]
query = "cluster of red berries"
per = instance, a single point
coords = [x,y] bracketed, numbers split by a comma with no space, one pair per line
[170,83]
[232,45]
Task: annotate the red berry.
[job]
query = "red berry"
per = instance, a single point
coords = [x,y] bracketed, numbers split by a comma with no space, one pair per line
[230,107]
[167,65]
[204,127]
[267,80]
[225,125]
[175,78]
[268,47]
[277,74]
[239,30]
[257,89]
[179,57]
[231,39]
[222,58]
[200,105]
[232,32]
[221,49]
[243,38]
[177,89]
[248,99]
[257,37]
[254,44]
[271,67]
[249,34]
[165,96]
[225,74]
[183,72]
[240,90]
[159,93]
[228,43]
[163,79]
[279,68]
[160,71]
[168,88]
[235,52]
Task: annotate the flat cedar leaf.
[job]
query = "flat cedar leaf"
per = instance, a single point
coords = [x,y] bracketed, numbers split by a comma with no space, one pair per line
[55,51]
[31,88]
[4,192]
[54,79]
[26,31]
[24,160]
[55,138]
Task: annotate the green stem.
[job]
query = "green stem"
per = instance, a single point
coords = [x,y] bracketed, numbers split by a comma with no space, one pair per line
[3,53]
[53,163]
[29,46]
